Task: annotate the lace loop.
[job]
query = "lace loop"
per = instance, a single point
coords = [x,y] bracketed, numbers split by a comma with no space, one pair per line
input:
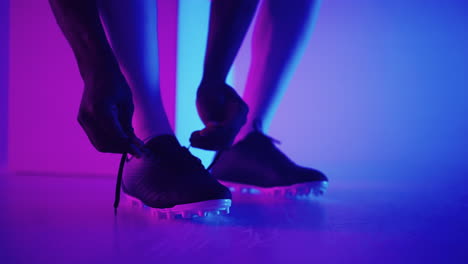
[118,185]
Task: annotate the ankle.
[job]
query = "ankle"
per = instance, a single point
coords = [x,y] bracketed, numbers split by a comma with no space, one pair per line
[251,126]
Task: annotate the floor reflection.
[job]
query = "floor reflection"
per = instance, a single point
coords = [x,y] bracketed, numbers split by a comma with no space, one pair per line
[405,216]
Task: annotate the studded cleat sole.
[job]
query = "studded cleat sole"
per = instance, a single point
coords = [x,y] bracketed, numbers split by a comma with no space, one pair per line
[301,191]
[182,211]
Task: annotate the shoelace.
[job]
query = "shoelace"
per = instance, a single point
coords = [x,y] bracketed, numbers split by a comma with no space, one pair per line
[118,185]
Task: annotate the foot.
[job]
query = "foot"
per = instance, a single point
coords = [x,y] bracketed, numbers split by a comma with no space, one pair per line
[172,183]
[223,112]
[255,165]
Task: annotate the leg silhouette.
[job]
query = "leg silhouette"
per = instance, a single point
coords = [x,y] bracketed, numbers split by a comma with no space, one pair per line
[281,31]
[132,30]
[222,111]
[254,164]
[106,107]
[168,178]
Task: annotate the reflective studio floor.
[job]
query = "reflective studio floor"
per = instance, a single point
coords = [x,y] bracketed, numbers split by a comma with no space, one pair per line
[371,214]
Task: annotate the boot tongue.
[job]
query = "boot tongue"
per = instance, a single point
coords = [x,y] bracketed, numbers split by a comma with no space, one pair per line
[162,144]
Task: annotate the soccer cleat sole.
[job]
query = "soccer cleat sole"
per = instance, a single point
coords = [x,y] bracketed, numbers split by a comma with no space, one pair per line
[301,191]
[182,211]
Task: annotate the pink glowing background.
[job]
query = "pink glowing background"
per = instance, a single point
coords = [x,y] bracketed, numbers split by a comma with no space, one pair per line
[378,81]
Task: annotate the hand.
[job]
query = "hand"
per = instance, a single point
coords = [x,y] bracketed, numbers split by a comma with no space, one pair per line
[223,112]
[105,114]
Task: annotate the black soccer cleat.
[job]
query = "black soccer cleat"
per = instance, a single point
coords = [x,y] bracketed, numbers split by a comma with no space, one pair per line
[170,182]
[256,166]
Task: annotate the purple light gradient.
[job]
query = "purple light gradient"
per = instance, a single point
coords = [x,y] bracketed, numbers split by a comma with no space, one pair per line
[4,59]
[46,89]
[378,103]
[378,218]
[378,82]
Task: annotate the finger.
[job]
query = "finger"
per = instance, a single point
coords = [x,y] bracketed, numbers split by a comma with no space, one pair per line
[209,129]
[87,124]
[98,136]
[211,138]
[117,140]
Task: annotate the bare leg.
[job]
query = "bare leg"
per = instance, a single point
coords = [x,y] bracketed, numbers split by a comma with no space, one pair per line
[106,107]
[220,108]
[280,34]
[131,29]
[229,21]
[170,176]
[255,161]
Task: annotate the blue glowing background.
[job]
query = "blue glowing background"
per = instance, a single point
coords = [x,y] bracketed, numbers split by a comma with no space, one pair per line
[378,82]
